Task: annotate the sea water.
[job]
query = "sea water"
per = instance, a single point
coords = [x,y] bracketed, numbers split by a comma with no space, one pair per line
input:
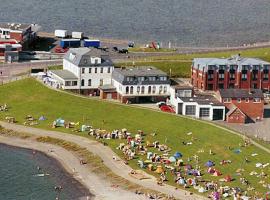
[19,181]
[183,22]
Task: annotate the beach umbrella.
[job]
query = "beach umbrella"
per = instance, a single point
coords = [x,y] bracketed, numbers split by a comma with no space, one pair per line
[172,159]
[178,155]
[209,163]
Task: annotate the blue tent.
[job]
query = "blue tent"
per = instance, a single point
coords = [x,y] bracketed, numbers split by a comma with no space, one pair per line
[209,163]
[178,155]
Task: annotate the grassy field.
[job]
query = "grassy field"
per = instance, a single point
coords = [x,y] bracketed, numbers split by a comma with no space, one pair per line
[172,68]
[29,97]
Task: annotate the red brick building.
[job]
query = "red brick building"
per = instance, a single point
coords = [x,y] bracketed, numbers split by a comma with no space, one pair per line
[242,105]
[242,73]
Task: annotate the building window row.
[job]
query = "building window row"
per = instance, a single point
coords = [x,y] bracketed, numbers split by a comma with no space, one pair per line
[71,83]
[102,70]
[149,78]
[146,89]
[239,100]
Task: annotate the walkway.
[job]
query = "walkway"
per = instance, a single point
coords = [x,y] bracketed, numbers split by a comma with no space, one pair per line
[106,154]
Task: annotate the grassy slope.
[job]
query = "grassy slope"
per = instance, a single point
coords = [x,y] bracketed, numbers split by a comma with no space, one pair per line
[30,97]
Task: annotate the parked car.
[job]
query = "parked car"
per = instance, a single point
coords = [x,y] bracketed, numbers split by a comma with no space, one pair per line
[166,108]
[161,103]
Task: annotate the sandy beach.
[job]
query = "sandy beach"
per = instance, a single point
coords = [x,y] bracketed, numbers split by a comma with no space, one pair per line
[106,154]
[100,188]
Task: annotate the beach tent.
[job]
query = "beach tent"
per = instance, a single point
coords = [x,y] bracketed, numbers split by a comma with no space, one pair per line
[178,155]
[201,190]
[211,170]
[60,122]
[149,155]
[228,178]
[42,118]
[159,169]
[237,151]
[217,173]
[180,162]
[172,159]
[209,163]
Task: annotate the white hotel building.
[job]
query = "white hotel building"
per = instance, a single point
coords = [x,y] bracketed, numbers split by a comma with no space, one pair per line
[84,70]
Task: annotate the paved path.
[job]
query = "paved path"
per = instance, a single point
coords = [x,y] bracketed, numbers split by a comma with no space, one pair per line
[106,154]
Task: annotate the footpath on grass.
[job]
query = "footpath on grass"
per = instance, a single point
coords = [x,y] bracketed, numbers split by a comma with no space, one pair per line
[106,154]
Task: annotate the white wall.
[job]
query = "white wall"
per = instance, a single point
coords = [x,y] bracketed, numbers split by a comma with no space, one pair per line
[95,77]
[121,89]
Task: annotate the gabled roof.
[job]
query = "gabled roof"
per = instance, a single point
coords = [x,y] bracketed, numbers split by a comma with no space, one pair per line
[241,93]
[82,57]
[232,108]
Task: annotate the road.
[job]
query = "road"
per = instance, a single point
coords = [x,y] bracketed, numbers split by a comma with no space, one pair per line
[106,154]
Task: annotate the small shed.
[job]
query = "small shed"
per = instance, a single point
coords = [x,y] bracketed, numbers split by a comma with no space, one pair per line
[108,92]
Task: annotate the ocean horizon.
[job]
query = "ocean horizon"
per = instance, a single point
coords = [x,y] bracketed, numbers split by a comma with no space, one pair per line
[189,23]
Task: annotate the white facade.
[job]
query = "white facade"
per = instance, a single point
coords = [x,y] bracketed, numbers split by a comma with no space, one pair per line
[90,77]
[141,90]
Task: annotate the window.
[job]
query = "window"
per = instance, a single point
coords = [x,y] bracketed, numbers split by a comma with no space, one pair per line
[96,61]
[149,89]
[141,78]
[129,78]
[127,89]
[247,100]
[221,76]
[257,100]
[82,82]
[244,77]
[89,82]
[204,112]
[74,83]
[163,78]
[101,70]
[232,76]
[142,89]
[227,100]
[100,82]
[256,67]
[190,110]
[83,70]
[68,83]
[160,89]
[138,89]
[154,89]
[95,70]
[165,89]
[152,78]
[90,70]
[265,76]
[109,70]
[131,90]
[254,75]
[238,100]
[245,67]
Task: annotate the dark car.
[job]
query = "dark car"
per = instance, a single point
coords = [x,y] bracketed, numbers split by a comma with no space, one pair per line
[123,51]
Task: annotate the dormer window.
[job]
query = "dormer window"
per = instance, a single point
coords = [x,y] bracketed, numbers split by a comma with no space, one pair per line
[95,60]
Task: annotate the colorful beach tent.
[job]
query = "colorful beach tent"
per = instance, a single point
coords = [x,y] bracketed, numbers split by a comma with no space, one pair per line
[172,159]
[178,155]
[159,169]
[209,163]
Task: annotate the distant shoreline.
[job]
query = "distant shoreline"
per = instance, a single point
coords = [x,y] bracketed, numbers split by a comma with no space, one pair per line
[182,49]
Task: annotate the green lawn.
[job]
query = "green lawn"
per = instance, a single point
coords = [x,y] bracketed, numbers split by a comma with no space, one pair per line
[177,68]
[29,97]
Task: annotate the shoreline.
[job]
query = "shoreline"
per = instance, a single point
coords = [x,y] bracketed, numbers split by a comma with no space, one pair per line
[99,188]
